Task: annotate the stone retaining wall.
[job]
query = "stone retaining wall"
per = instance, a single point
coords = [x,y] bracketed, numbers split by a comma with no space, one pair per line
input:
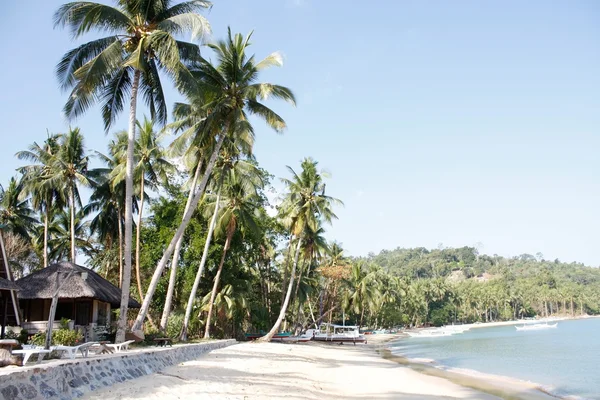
[67,379]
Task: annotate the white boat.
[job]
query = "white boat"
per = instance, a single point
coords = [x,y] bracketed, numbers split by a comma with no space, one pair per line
[335,333]
[436,332]
[536,327]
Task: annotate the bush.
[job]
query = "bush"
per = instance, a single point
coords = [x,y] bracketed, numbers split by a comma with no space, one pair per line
[174,325]
[65,337]
[23,336]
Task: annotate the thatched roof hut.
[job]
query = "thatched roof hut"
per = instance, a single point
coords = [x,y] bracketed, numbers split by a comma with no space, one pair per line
[5,284]
[82,283]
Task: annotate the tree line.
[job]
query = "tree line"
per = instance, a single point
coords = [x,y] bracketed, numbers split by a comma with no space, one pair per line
[209,253]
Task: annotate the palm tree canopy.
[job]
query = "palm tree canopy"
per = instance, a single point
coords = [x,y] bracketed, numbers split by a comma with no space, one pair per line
[306,203]
[226,94]
[141,38]
[15,211]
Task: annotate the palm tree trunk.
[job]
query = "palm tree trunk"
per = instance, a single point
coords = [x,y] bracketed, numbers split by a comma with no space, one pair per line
[284,306]
[46,217]
[137,241]
[285,268]
[572,312]
[213,294]
[137,326]
[72,206]
[175,263]
[190,303]
[122,324]
[120,226]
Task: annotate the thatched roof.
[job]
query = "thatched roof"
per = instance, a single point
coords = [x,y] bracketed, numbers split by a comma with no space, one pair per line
[5,284]
[41,285]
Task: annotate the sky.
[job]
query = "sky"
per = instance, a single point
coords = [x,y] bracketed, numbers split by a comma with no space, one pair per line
[441,123]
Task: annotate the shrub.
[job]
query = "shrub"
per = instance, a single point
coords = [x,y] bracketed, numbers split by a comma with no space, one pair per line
[23,336]
[174,325]
[65,337]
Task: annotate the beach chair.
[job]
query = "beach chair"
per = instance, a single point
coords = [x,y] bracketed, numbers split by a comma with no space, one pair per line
[29,350]
[119,347]
[71,351]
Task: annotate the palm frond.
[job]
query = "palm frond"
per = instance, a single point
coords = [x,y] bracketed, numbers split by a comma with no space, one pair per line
[81,16]
[190,21]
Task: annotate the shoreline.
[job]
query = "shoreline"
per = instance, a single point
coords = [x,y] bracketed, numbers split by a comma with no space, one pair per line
[293,371]
[503,386]
[249,370]
[496,385]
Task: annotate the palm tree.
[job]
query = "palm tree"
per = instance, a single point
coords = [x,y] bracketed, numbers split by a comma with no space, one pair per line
[195,145]
[238,210]
[44,197]
[68,168]
[152,167]
[15,212]
[234,92]
[314,248]
[110,68]
[60,242]
[304,208]
[362,291]
[107,200]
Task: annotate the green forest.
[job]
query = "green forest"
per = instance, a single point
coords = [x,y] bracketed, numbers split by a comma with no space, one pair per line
[178,212]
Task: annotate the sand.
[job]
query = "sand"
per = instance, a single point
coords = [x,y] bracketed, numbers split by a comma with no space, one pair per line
[291,371]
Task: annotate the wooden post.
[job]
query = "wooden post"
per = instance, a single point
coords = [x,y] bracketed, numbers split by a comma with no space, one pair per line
[4,319]
[53,306]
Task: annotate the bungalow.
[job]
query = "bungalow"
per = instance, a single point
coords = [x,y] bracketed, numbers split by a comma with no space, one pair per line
[84,297]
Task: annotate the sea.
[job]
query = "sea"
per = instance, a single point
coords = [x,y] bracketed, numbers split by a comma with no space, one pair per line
[564,361]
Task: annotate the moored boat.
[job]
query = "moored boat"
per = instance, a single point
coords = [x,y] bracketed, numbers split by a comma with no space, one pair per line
[335,333]
[254,336]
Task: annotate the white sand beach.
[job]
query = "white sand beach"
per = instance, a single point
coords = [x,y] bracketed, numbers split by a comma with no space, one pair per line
[293,371]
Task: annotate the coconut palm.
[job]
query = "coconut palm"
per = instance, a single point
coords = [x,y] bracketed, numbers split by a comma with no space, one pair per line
[69,169]
[314,248]
[44,198]
[151,169]
[234,92]
[194,146]
[60,242]
[238,211]
[15,211]
[361,291]
[304,208]
[141,46]
[227,165]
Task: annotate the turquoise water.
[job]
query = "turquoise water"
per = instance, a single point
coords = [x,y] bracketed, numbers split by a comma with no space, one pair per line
[565,360]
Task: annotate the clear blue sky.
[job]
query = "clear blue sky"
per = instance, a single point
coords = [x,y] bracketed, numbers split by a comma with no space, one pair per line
[440,122]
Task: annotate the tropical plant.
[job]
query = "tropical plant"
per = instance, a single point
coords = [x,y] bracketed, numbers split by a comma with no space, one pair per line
[110,68]
[151,169]
[44,197]
[304,208]
[68,170]
[15,212]
[238,211]
[234,92]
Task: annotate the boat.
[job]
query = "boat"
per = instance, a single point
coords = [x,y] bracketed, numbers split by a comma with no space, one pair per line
[280,335]
[335,333]
[429,333]
[536,327]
